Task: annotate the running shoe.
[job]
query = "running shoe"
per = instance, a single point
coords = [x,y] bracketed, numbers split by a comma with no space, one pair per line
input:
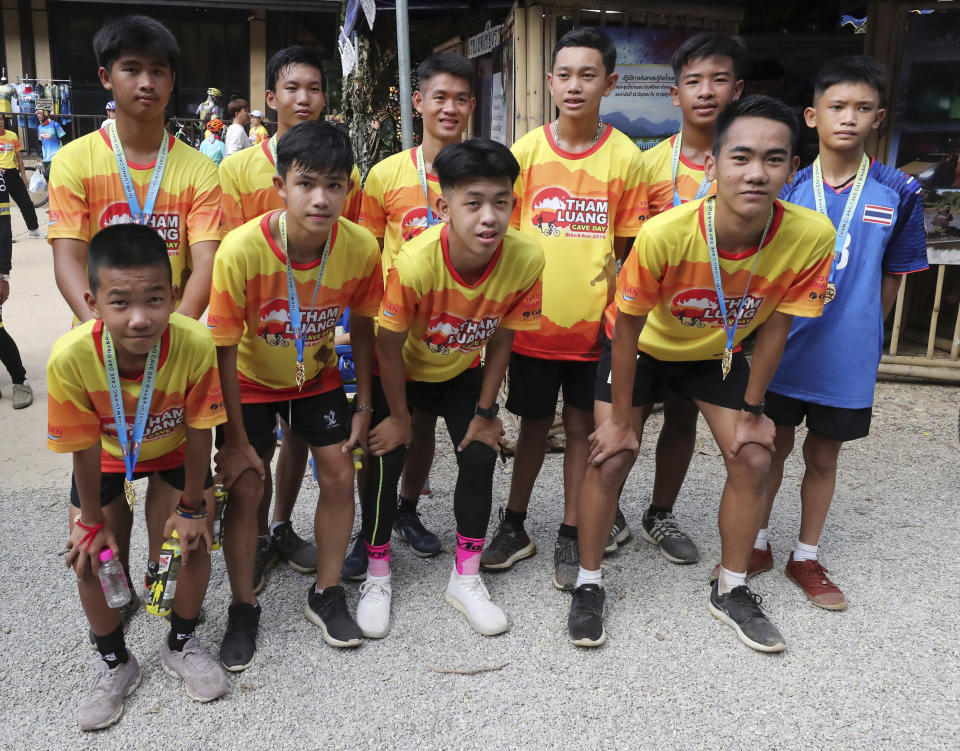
[373,610]
[585,622]
[509,544]
[661,530]
[22,395]
[740,609]
[812,578]
[619,534]
[239,643]
[355,564]
[102,705]
[760,561]
[329,611]
[203,679]
[468,594]
[410,529]
[566,563]
[288,546]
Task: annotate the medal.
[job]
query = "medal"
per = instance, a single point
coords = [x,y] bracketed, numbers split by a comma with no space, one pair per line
[843,229]
[129,444]
[293,298]
[704,186]
[139,215]
[730,320]
[422,174]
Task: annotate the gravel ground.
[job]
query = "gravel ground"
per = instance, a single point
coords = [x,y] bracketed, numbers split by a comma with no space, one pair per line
[881,675]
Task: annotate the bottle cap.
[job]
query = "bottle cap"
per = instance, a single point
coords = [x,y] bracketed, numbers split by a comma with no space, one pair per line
[106,554]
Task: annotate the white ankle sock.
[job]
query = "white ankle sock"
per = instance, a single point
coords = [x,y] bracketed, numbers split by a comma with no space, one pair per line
[729,580]
[804,552]
[761,543]
[590,577]
[273,526]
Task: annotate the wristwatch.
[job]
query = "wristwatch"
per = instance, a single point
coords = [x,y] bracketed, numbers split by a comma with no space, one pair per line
[754,409]
[490,412]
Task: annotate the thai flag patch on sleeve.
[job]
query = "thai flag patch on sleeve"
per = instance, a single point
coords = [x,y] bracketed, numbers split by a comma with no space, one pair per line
[878,214]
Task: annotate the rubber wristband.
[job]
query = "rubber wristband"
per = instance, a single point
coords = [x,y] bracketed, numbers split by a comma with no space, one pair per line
[362,408]
[189,512]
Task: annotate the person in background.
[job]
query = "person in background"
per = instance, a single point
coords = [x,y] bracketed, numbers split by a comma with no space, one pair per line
[212,144]
[15,177]
[50,133]
[258,132]
[236,139]
[9,354]
[111,110]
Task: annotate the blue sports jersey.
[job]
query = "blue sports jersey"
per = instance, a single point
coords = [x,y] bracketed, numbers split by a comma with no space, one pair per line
[50,135]
[833,359]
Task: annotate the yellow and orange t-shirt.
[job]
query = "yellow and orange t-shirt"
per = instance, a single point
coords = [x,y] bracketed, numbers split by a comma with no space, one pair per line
[575,205]
[9,146]
[246,179]
[393,206]
[86,195]
[667,277]
[249,308]
[449,321]
[186,392]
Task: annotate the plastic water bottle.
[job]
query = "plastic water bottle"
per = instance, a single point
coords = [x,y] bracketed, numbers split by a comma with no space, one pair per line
[116,591]
[164,590]
[220,494]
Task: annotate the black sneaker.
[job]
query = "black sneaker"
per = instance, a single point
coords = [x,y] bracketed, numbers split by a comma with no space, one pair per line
[509,545]
[355,564]
[566,563]
[409,528]
[585,623]
[239,643]
[263,559]
[329,612]
[661,529]
[288,546]
[619,533]
[740,609]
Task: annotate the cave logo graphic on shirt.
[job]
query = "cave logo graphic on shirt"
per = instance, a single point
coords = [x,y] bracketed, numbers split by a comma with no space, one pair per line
[446,332]
[157,426]
[700,308]
[274,326]
[414,222]
[166,225]
[556,213]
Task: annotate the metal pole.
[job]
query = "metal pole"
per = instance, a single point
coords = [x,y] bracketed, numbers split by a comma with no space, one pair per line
[403,63]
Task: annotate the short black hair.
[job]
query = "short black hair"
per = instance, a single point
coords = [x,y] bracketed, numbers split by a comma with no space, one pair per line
[315,146]
[445,62]
[592,37]
[757,105]
[478,158]
[288,56]
[851,69]
[134,34]
[710,44]
[125,246]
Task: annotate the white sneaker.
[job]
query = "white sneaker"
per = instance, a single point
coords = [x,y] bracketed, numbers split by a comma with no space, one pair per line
[468,594]
[373,610]
[37,234]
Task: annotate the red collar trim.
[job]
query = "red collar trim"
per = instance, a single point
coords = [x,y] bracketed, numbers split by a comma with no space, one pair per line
[278,251]
[774,226]
[548,133]
[445,245]
[134,165]
[684,161]
[413,157]
[265,145]
[98,343]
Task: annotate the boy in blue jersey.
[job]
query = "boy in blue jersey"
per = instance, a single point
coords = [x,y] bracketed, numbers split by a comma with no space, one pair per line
[829,366]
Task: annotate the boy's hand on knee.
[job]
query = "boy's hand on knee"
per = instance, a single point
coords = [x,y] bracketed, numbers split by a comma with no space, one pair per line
[84,548]
[194,534]
[390,434]
[488,432]
[232,461]
[753,429]
[359,432]
[611,438]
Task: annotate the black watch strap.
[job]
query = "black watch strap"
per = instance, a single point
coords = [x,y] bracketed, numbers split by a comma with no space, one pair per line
[754,409]
[490,412]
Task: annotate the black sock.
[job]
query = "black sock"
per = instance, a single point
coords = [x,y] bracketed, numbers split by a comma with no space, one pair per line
[658,511]
[516,518]
[567,531]
[181,629]
[112,648]
[405,506]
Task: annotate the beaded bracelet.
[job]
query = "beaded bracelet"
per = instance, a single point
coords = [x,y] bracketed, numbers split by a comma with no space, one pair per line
[189,512]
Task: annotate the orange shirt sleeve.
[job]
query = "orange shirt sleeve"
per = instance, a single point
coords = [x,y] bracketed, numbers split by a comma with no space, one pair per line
[638,286]
[203,401]
[72,420]
[399,304]
[525,314]
[228,296]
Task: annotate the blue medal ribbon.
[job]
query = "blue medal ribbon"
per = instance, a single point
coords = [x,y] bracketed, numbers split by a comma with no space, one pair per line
[422,173]
[704,186]
[140,215]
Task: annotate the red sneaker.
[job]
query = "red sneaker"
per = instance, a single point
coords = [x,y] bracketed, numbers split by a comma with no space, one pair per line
[760,561]
[812,579]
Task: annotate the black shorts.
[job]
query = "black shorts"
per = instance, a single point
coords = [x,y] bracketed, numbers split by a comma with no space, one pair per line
[535,384]
[697,379]
[832,423]
[457,395]
[602,390]
[111,483]
[320,420]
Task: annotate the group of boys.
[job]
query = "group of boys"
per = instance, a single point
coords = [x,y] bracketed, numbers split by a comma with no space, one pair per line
[444,298]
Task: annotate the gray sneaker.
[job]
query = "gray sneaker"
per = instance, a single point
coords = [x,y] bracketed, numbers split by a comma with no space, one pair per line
[263,559]
[103,703]
[509,545]
[203,678]
[22,395]
[288,546]
[619,534]
[740,609]
[566,563]
[663,531]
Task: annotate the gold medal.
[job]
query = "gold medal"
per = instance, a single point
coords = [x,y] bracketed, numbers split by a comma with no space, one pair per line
[129,492]
[830,293]
[301,376]
[726,362]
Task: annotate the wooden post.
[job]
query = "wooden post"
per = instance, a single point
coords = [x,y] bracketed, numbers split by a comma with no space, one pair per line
[931,339]
[535,74]
[955,347]
[521,120]
[897,319]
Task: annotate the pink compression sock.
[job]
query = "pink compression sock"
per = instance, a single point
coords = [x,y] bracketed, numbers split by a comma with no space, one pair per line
[468,554]
[378,559]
